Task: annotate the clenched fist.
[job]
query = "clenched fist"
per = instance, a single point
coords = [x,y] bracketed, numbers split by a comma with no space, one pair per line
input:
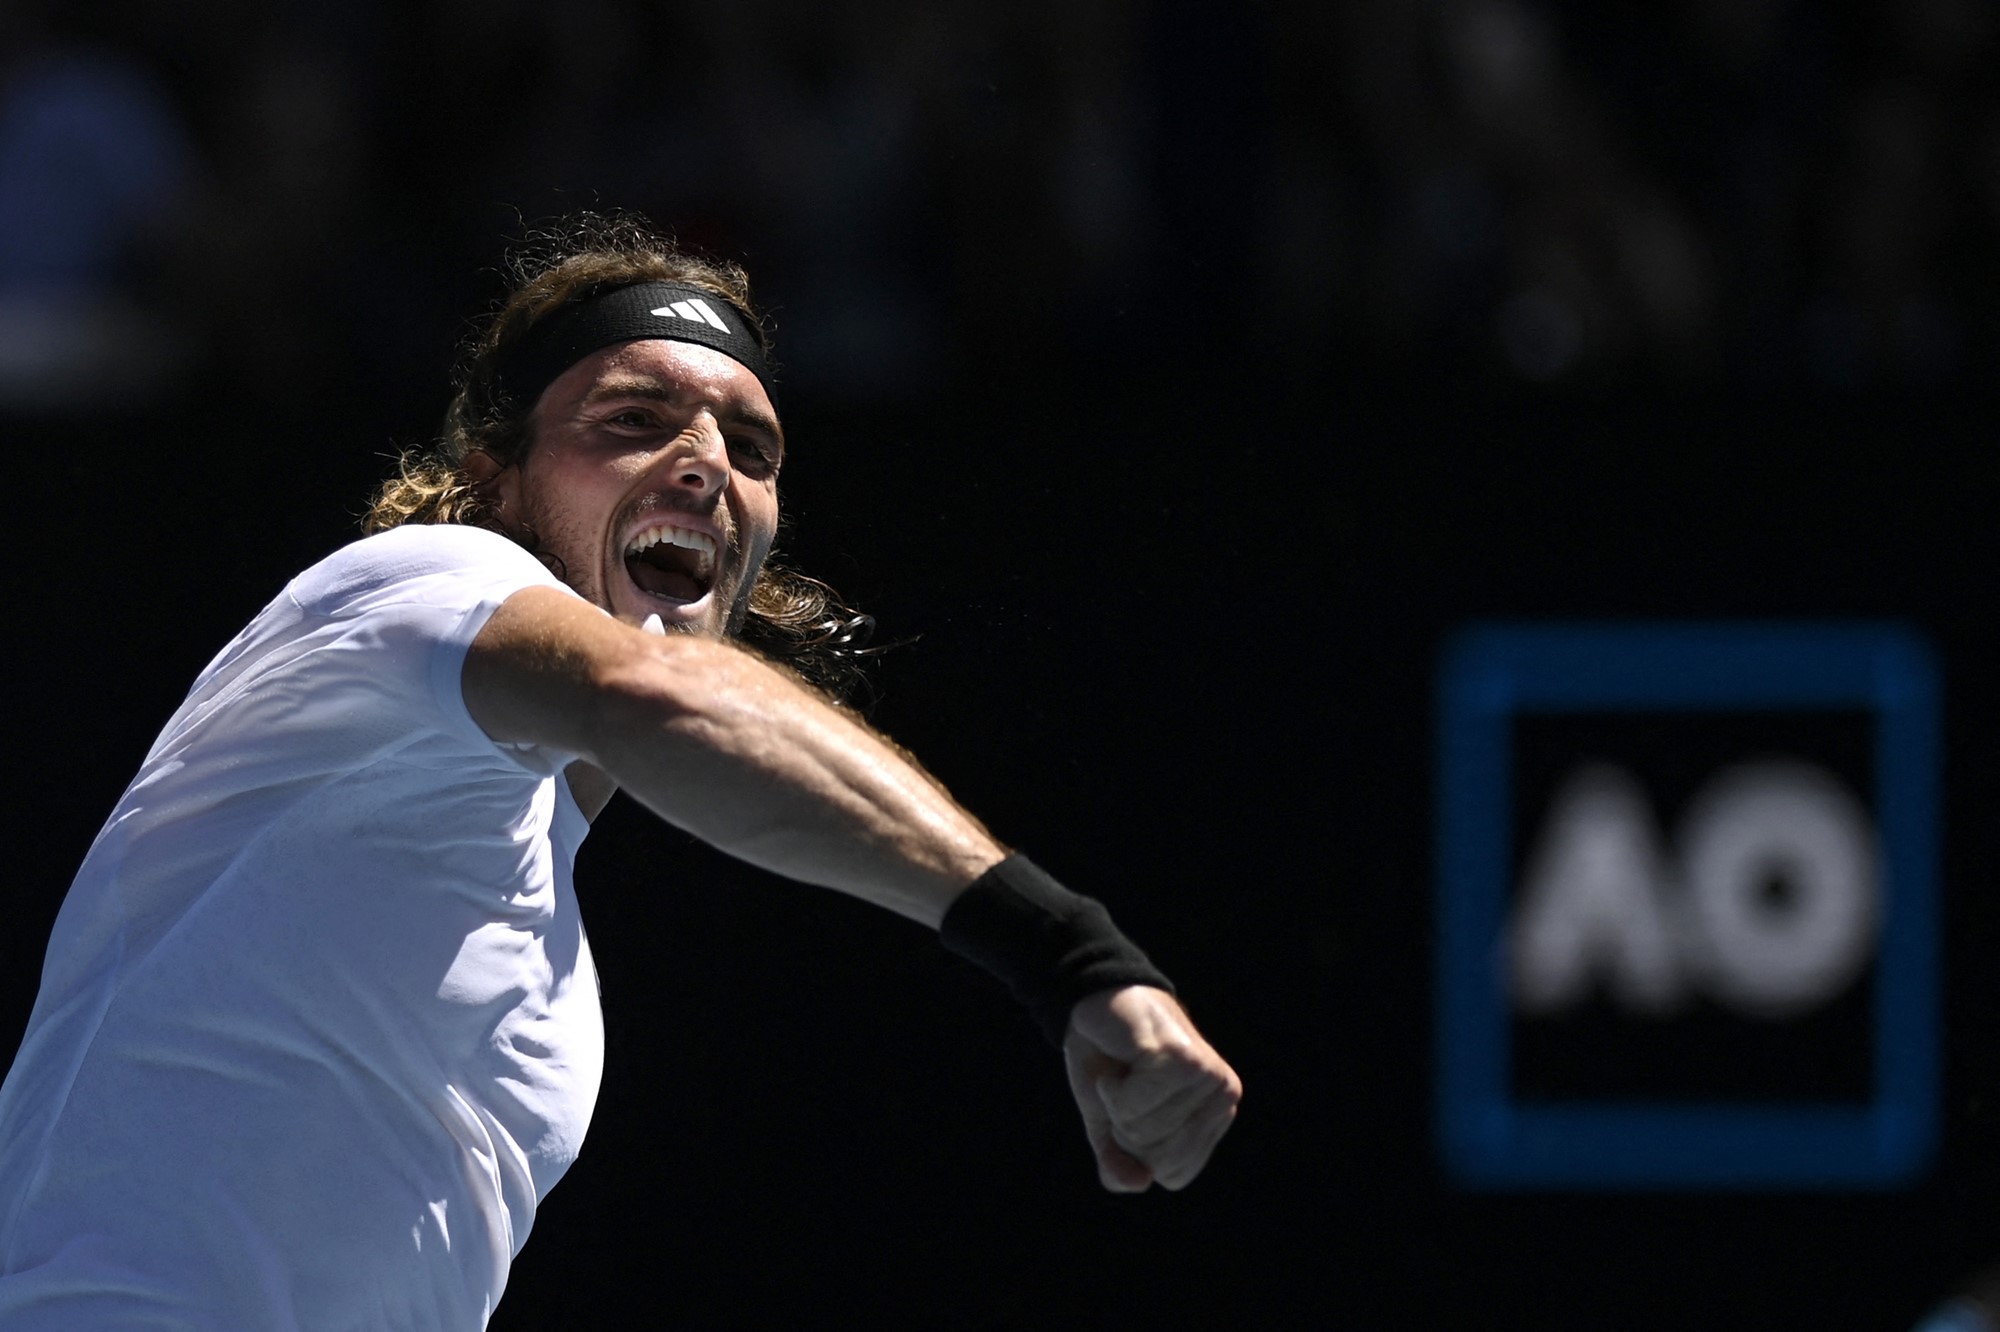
[1155,1096]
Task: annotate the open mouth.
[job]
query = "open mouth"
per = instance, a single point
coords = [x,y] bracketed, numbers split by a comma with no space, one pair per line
[672,562]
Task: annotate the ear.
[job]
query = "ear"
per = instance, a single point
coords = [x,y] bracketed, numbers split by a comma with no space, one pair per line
[501,481]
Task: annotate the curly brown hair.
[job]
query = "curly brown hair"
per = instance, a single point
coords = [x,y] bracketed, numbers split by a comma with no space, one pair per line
[793,619]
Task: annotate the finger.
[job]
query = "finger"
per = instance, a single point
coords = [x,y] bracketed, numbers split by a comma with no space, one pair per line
[1117,1169]
[1139,1132]
[1193,1133]
[1120,1171]
[1163,1137]
[1161,1093]
[1177,1140]
[1176,1166]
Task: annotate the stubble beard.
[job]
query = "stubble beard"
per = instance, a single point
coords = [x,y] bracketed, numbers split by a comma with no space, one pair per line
[559,544]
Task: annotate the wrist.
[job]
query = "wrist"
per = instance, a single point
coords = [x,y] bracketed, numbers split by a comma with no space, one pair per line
[1049,946]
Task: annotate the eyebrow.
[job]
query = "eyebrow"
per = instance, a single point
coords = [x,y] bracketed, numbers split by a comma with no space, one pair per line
[645,386]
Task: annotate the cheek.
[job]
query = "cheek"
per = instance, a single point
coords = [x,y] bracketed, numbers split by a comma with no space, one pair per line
[572,494]
[759,511]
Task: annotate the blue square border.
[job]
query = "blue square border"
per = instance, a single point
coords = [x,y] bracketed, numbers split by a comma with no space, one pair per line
[1493,672]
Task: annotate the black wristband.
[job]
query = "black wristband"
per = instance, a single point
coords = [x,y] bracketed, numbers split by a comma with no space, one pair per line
[1048,945]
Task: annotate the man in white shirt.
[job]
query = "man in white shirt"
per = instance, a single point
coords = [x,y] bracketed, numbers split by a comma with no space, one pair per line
[318,1026]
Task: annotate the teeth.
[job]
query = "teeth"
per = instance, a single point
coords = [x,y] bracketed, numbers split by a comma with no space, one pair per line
[699,542]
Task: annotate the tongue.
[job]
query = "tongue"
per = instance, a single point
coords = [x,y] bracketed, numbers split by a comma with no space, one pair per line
[663,582]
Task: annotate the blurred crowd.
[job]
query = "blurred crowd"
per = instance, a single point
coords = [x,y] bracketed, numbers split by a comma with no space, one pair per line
[1754,194]
[303,200]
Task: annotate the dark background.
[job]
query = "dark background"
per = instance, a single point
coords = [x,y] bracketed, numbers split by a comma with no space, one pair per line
[1178,375]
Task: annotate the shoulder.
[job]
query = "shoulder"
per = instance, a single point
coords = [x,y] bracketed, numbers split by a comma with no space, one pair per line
[420,560]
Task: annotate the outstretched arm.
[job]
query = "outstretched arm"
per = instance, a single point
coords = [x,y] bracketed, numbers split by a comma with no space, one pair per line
[717,742]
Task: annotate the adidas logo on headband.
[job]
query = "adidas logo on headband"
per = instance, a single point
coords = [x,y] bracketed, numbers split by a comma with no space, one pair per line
[695,310]
[625,314]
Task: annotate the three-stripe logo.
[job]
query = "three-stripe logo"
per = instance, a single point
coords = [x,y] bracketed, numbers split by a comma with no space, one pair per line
[694,310]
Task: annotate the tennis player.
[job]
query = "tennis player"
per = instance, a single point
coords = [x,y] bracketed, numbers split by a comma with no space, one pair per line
[318,1025]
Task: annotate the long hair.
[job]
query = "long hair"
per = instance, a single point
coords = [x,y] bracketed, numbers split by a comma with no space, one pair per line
[795,620]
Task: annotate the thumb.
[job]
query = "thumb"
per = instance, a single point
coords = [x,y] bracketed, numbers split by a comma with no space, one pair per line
[1117,1169]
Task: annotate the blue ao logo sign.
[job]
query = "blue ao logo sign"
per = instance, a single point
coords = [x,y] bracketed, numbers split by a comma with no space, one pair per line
[1687,906]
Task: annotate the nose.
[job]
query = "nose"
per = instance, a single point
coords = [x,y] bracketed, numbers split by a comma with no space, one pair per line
[698,459]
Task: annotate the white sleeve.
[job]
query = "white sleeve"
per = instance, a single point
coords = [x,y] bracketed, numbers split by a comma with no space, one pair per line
[386,623]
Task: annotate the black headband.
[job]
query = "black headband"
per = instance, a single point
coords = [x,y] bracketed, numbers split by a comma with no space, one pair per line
[648,310]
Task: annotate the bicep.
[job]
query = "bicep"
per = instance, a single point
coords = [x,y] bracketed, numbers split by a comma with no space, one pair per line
[548,668]
[536,671]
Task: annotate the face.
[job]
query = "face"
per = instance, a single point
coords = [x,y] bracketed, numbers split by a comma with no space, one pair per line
[653,476]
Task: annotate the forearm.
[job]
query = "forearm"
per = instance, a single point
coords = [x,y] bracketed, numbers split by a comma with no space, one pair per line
[720,744]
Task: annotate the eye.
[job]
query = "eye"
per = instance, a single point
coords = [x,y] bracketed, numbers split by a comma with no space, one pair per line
[754,457]
[632,418]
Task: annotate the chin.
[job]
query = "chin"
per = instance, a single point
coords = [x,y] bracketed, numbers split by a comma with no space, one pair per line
[705,614]
[687,617]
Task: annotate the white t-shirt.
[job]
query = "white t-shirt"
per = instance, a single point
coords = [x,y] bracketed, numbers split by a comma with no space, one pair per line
[318,1024]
